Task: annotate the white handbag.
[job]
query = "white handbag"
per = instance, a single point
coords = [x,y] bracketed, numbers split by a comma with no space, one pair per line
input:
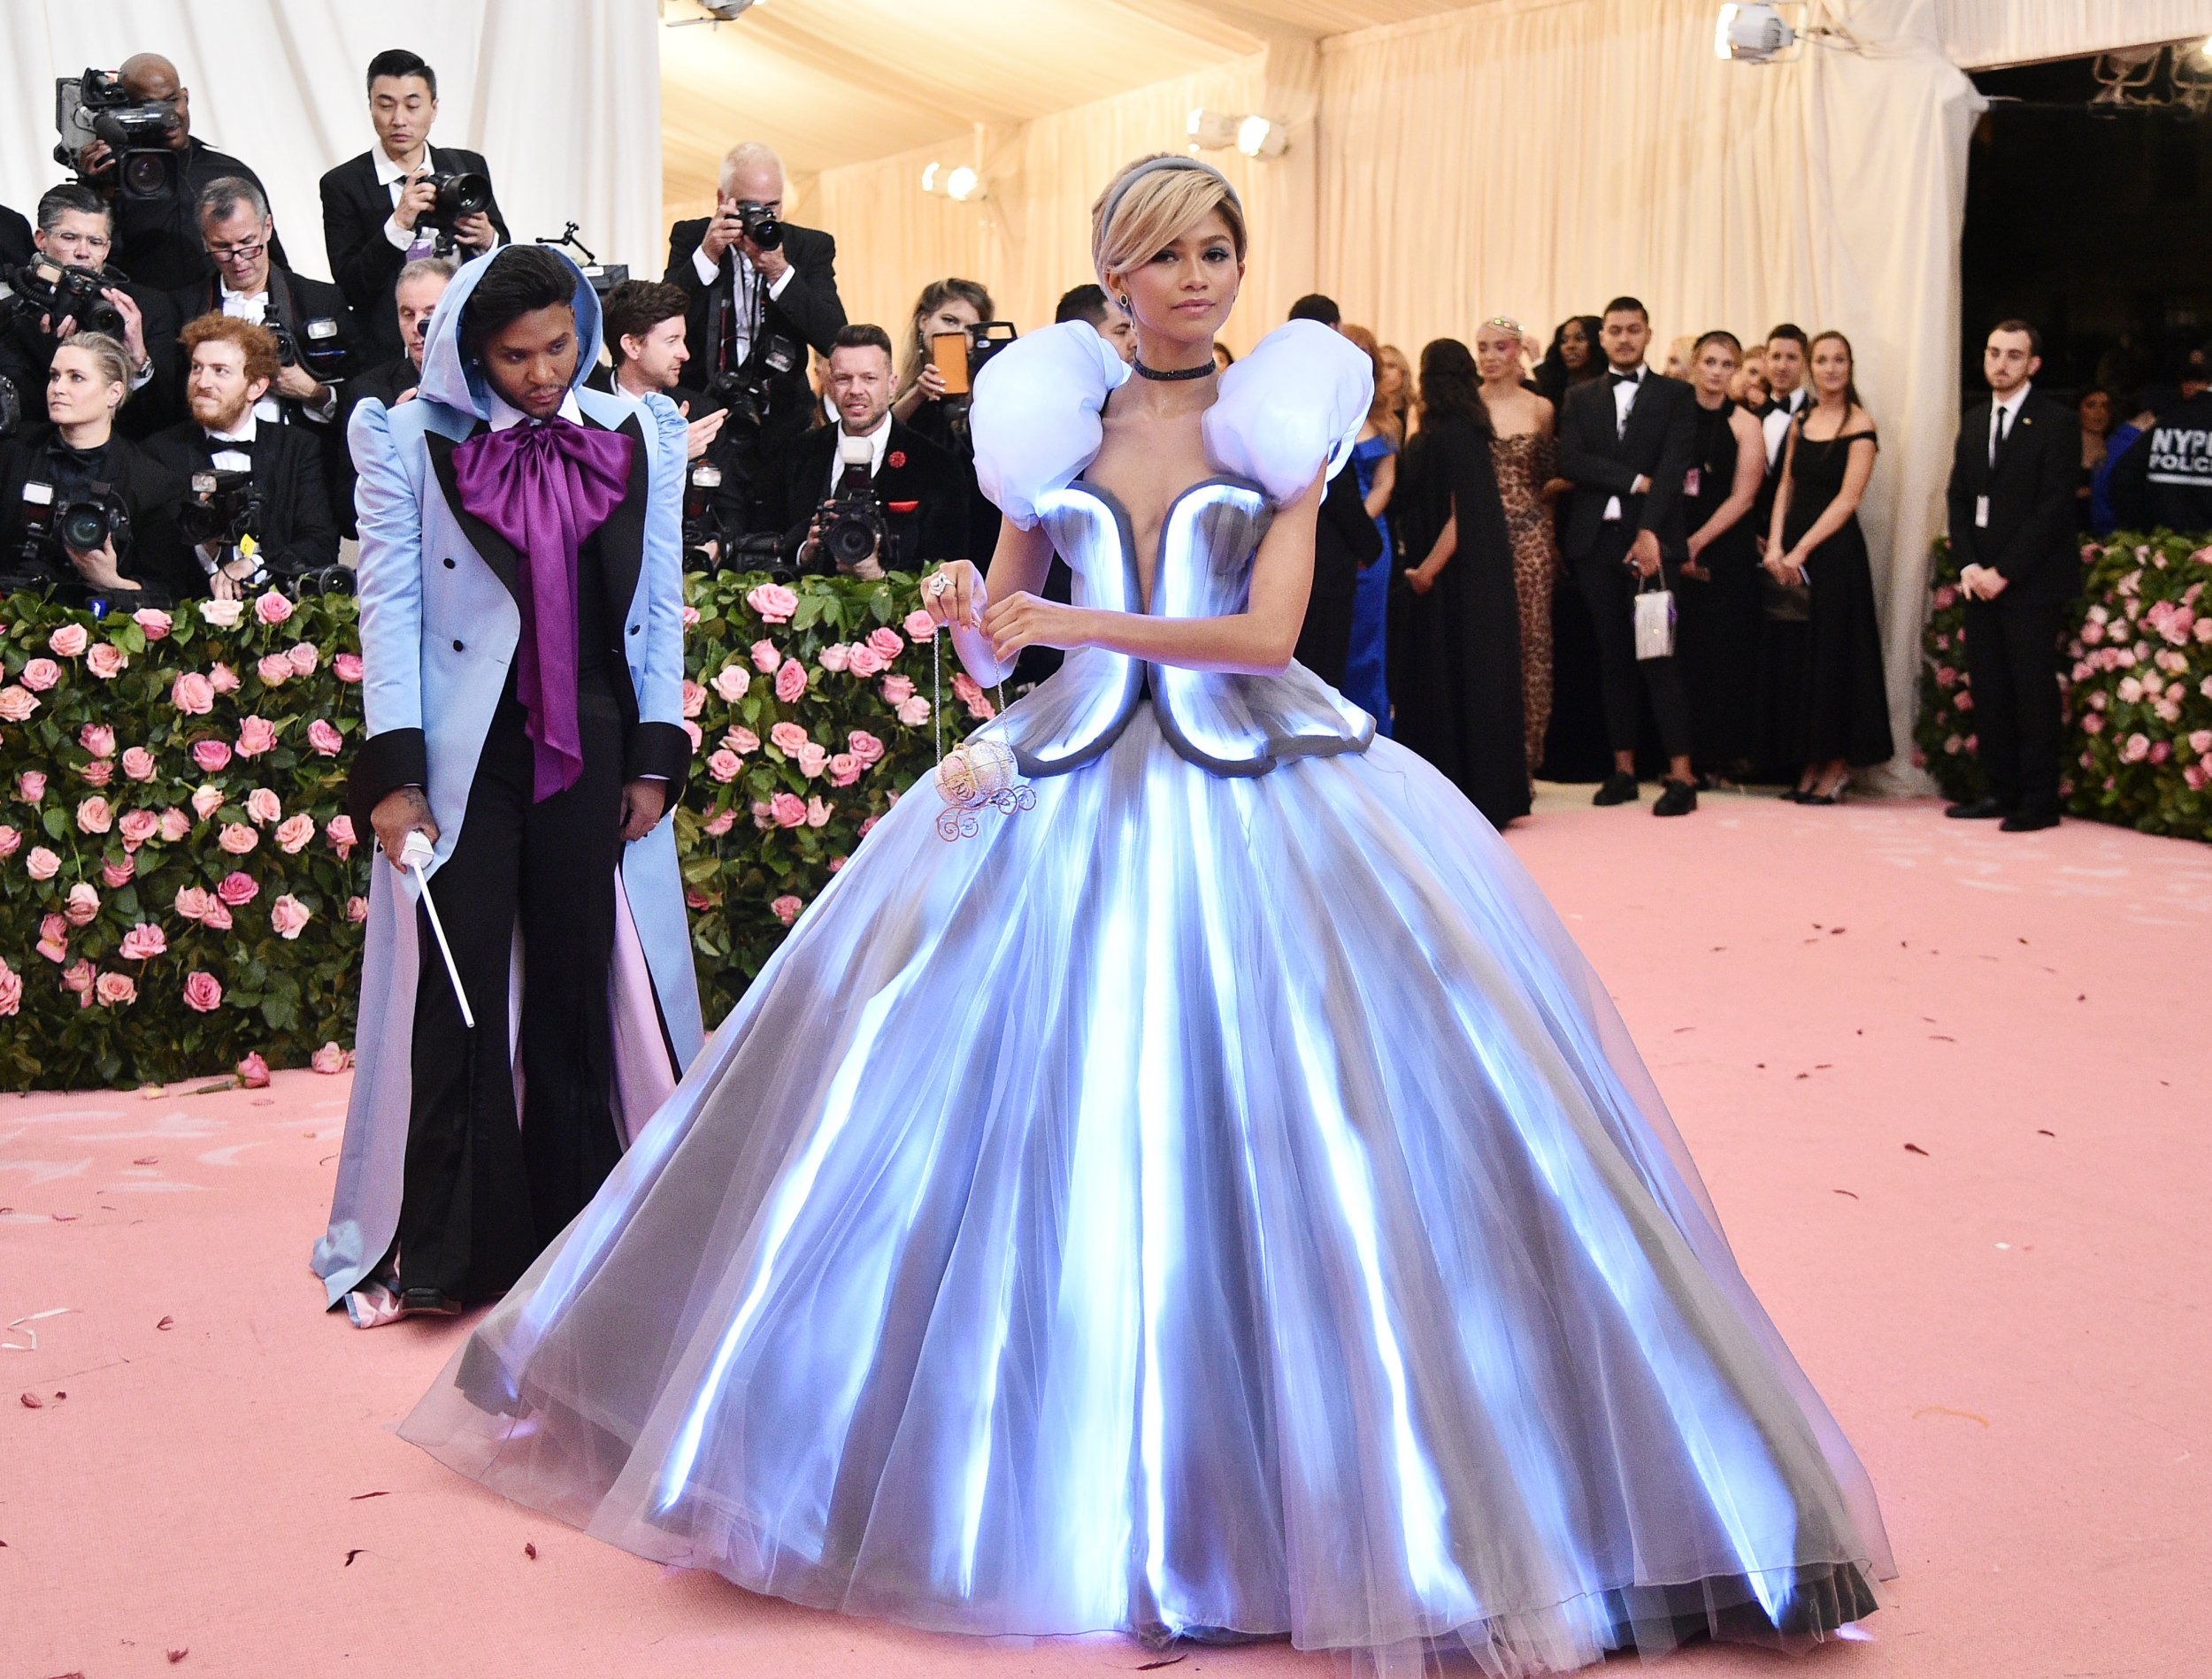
[1654,622]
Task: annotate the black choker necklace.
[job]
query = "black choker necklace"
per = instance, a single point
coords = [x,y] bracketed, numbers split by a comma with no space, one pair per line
[1174,373]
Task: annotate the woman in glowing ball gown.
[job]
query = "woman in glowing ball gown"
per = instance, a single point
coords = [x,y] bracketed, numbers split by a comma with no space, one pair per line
[1217,1202]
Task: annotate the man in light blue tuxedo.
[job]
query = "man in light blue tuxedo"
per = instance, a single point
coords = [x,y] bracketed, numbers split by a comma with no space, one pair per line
[522,638]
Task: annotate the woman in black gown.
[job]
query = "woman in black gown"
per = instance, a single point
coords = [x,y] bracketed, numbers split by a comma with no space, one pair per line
[1575,744]
[1842,707]
[1717,634]
[1454,623]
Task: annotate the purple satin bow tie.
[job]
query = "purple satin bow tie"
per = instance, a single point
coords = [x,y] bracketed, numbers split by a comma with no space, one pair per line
[546,487]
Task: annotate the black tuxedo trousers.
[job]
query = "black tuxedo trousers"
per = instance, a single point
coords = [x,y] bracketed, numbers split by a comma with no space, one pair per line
[2012,667]
[1610,587]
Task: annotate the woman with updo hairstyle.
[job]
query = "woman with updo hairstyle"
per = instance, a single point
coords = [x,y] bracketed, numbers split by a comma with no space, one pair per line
[76,458]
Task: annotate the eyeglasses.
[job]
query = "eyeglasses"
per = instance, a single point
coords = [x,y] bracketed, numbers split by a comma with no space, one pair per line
[229,254]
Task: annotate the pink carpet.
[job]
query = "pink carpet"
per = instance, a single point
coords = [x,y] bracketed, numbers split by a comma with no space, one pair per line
[1949,1088]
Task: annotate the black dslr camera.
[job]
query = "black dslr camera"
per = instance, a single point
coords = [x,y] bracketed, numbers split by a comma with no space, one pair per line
[315,347]
[851,523]
[700,526]
[97,106]
[760,224]
[460,193]
[224,508]
[62,294]
[50,527]
[744,390]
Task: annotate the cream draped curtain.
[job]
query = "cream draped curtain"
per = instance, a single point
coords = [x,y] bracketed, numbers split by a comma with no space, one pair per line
[1983,34]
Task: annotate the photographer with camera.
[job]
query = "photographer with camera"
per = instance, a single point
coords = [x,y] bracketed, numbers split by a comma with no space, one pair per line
[155,197]
[645,337]
[869,494]
[414,298]
[403,199]
[761,290]
[83,510]
[255,512]
[66,288]
[956,331]
[318,342]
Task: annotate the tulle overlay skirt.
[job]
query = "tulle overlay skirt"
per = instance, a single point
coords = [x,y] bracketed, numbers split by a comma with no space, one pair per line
[1197,1205]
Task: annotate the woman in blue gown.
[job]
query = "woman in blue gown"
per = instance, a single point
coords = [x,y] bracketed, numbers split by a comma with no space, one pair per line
[1216,1202]
[1375,460]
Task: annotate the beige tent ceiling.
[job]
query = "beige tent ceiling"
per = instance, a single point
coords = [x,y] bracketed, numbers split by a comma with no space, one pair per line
[828,82]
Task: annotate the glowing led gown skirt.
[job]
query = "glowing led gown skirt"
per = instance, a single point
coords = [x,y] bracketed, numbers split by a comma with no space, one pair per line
[1199,1204]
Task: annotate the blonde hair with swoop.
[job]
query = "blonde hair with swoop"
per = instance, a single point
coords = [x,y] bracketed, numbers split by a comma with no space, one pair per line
[1153,201]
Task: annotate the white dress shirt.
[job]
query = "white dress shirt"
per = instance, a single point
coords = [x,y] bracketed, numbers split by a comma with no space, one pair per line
[744,293]
[1776,423]
[2004,414]
[505,413]
[254,306]
[1627,388]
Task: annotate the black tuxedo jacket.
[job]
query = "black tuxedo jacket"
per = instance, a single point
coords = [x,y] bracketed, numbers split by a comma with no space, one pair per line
[1661,438]
[387,382]
[316,312]
[15,238]
[26,353]
[158,558]
[1346,541]
[2033,539]
[924,496]
[808,314]
[363,262]
[297,531]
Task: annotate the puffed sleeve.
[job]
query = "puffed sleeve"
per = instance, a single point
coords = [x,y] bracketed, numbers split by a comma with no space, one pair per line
[1035,419]
[1295,403]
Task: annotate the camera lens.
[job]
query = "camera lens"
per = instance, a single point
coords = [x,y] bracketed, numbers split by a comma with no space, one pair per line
[848,540]
[83,526]
[145,173]
[463,194]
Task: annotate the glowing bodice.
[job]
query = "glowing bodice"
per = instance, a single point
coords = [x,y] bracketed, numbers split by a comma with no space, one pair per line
[1229,725]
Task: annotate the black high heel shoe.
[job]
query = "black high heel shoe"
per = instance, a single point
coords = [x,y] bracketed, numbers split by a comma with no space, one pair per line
[1834,795]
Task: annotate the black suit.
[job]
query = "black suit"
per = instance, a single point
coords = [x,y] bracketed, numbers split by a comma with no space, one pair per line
[923,496]
[806,315]
[1346,541]
[365,265]
[2030,539]
[158,240]
[296,531]
[15,238]
[156,558]
[26,353]
[1604,462]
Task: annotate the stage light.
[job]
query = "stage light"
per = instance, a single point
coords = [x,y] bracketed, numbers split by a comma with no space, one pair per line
[1752,33]
[1258,137]
[929,178]
[963,185]
[1211,130]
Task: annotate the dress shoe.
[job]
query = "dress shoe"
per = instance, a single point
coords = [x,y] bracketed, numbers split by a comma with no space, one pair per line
[1676,799]
[1982,810]
[2025,822]
[1619,788]
[428,1302]
[1834,795]
[1795,795]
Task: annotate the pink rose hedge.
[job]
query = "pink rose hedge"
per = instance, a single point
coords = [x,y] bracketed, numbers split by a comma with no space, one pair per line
[182,893]
[2136,673]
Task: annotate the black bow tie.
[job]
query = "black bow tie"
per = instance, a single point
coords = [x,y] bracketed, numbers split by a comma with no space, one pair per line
[1636,377]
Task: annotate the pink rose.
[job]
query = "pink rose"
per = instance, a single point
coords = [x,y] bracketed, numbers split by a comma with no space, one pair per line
[787,810]
[812,760]
[143,943]
[253,1072]
[95,815]
[11,841]
[137,827]
[866,662]
[193,902]
[2092,723]
[897,690]
[192,694]
[339,831]
[764,818]
[155,624]
[69,640]
[222,678]
[885,640]
[834,657]
[83,905]
[868,827]
[2137,748]
[138,763]
[1965,702]
[237,838]
[913,712]
[741,740]
[117,875]
[695,698]
[966,690]
[731,681]
[115,990]
[324,739]
[274,669]
[11,991]
[2199,743]
[356,909]
[256,735]
[719,823]
[844,770]
[786,737]
[293,832]
[790,681]
[272,608]
[212,757]
[864,747]
[216,920]
[99,772]
[30,787]
[17,704]
[238,888]
[78,976]
[107,660]
[207,799]
[2196,775]
[347,667]
[919,626]
[690,615]
[694,733]
[304,657]
[328,1059]
[766,658]
[1946,598]
[53,939]
[289,916]
[174,824]
[40,674]
[2162,750]
[41,864]
[263,806]
[818,811]
[725,766]
[203,992]
[786,909]
[774,603]
[835,863]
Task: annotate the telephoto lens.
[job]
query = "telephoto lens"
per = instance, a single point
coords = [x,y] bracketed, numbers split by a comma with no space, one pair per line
[760,224]
[461,194]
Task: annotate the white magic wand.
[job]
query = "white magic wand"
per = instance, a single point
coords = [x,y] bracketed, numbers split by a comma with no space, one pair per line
[415,853]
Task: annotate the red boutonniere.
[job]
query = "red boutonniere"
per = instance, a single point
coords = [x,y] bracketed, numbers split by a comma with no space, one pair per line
[898,457]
